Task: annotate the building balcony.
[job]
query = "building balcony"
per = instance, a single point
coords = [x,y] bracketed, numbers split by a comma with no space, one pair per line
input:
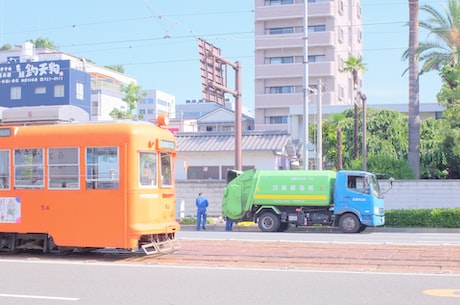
[316,39]
[318,9]
[315,69]
[318,69]
[321,9]
[278,100]
[278,71]
[279,12]
[278,41]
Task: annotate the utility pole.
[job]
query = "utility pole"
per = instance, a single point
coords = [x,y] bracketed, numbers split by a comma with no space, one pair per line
[319,132]
[214,85]
[305,87]
[364,144]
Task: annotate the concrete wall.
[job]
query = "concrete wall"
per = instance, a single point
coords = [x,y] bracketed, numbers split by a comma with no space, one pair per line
[407,194]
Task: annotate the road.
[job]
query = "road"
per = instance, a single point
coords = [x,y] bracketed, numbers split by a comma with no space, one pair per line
[411,237]
[248,268]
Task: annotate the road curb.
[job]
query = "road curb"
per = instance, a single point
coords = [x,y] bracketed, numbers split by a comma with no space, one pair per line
[255,228]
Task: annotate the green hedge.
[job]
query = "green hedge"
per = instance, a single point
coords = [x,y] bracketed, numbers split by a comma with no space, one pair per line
[423,218]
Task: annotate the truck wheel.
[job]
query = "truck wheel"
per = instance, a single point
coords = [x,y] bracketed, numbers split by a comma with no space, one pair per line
[284,226]
[349,223]
[269,222]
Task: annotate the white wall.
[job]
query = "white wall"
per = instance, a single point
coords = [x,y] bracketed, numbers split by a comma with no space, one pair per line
[408,194]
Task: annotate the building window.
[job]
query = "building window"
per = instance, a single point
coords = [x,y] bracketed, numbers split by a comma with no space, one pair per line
[40,90]
[280,90]
[277,31]
[59,91]
[80,91]
[63,168]
[316,58]
[95,109]
[203,172]
[316,28]
[341,93]
[15,93]
[278,2]
[280,119]
[341,35]
[280,60]
[341,63]
[162,102]
[341,7]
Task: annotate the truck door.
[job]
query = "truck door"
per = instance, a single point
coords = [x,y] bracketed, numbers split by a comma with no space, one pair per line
[355,197]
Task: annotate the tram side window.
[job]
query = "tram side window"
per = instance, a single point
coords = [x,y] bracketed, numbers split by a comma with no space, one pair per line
[102,168]
[4,169]
[148,169]
[28,168]
[63,168]
[166,169]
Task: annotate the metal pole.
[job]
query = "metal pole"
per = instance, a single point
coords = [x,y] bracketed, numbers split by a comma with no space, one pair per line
[305,88]
[238,119]
[319,144]
[363,98]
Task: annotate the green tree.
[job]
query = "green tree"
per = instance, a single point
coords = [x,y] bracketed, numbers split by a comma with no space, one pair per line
[43,43]
[444,27]
[6,47]
[355,65]
[117,68]
[433,157]
[449,97]
[387,143]
[133,95]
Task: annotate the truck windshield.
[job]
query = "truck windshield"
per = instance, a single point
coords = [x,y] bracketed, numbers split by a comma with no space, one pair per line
[375,185]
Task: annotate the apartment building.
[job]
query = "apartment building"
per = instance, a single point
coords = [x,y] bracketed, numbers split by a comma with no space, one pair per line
[333,35]
[44,77]
[156,102]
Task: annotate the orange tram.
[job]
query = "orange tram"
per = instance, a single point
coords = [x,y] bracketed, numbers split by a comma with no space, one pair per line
[83,186]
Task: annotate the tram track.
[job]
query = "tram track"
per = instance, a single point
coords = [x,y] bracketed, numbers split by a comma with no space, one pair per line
[433,259]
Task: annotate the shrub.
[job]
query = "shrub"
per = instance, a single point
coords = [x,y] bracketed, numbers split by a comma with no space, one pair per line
[423,218]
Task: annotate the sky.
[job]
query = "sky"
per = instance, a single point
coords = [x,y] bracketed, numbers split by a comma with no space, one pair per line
[156,40]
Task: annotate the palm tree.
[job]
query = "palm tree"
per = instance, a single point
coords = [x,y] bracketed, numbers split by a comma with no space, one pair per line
[355,65]
[441,51]
[414,111]
[445,27]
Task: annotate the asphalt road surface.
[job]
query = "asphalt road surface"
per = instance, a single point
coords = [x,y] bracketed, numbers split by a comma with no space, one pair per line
[247,268]
[69,282]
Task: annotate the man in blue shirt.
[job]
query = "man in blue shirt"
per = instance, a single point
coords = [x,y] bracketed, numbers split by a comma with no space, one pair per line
[201,205]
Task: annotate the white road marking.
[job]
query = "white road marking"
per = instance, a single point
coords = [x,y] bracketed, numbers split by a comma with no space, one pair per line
[24,296]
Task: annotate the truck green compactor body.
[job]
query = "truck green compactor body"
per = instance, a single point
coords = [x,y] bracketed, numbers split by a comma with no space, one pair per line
[350,200]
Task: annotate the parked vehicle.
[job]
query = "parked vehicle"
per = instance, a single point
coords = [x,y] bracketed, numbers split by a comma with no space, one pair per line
[350,200]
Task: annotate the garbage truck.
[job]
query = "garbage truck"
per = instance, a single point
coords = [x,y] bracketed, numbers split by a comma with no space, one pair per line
[277,199]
